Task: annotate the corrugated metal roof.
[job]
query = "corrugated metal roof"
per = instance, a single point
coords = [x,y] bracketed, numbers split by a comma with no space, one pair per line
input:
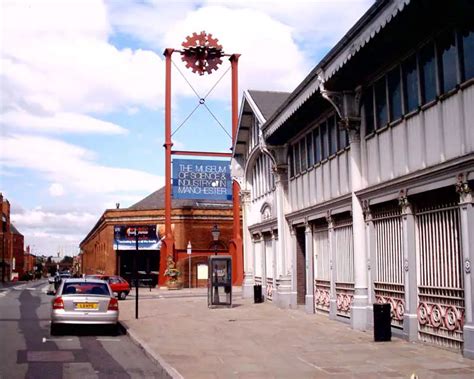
[368,26]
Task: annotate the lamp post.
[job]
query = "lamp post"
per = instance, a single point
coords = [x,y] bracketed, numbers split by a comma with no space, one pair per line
[189,252]
[215,236]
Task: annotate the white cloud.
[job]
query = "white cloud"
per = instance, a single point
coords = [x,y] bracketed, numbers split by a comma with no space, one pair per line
[57,63]
[73,167]
[56,190]
[279,40]
[60,123]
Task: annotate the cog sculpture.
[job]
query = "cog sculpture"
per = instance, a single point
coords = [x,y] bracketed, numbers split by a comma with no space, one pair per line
[202,53]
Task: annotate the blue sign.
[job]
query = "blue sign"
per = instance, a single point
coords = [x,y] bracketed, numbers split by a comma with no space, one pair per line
[201,179]
[126,236]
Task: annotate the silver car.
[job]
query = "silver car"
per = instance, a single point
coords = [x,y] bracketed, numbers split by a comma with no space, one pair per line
[84,301]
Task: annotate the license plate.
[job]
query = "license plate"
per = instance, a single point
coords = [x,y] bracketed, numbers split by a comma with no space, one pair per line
[87,306]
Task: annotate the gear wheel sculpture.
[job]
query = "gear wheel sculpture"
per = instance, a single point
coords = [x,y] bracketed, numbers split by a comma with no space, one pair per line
[202,53]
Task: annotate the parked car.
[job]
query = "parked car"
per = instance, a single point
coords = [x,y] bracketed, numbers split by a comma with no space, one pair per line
[118,284]
[84,301]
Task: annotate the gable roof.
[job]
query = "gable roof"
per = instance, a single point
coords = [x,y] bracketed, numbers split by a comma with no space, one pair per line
[268,101]
[156,200]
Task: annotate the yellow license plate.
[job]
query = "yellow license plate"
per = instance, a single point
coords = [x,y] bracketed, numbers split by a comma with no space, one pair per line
[87,306]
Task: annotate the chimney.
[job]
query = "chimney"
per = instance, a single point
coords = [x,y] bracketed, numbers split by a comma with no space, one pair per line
[117,205]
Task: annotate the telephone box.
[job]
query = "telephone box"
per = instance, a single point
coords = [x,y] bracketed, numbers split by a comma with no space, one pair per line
[219,286]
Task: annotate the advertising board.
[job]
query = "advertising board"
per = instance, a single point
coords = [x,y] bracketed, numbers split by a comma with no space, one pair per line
[125,237]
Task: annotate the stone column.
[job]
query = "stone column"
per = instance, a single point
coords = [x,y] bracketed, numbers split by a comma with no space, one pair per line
[359,305]
[291,262]
[410,318]
[309,299]
[274,266]
[281,194]
[467,243]
[263,252]
[332,267]
[249,258]
[370,240]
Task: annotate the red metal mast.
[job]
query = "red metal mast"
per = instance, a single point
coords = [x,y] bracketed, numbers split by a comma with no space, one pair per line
[167,247]
[235,247]
[202,54]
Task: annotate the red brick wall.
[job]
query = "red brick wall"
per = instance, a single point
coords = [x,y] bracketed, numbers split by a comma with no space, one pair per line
[19,253]
[192,225]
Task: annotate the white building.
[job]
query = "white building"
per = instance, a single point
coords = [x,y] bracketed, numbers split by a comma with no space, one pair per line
[357,186]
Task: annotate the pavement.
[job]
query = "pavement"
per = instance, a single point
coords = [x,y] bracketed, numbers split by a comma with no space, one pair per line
[189,340]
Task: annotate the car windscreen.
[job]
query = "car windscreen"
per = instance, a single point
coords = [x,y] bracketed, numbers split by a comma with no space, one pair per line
[86,288]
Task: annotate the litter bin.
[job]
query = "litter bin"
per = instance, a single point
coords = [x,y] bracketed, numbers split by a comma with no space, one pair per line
[257,293]
[382,322]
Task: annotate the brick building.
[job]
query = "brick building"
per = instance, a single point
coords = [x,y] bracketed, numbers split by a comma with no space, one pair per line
[29,261]
[6,240]
[192,221]
[18,253]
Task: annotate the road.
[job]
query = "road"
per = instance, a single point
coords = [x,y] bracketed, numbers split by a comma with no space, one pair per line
[27,350]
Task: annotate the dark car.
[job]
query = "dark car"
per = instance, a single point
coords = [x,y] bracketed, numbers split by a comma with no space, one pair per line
[59,277]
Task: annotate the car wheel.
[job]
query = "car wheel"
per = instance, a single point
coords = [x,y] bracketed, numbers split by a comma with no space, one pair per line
[122,295]
[54,329]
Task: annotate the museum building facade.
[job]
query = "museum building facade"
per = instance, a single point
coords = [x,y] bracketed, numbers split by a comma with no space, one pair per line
[357,188]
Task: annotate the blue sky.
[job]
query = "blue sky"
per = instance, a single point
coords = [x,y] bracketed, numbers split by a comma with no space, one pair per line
[82,95]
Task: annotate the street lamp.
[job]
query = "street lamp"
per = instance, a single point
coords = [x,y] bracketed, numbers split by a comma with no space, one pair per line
[215,236]
[189,252]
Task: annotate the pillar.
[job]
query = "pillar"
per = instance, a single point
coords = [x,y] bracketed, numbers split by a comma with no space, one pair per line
[370,241]
[359,305]
[410,318]
[467,243]
[309,253]
[249,258]
[332,267]
[284,237]
[274,267]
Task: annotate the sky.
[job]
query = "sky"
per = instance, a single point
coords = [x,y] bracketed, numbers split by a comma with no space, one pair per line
[82,95]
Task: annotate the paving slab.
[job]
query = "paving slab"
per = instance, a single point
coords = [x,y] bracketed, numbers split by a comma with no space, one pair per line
[262,341]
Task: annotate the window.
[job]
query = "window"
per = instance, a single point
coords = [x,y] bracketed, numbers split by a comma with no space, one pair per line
[309,149]
[467,36]
[410,81]
[304,164]
[324,140]
[369,111]
[297,159]
[292,162]
[395,94]
[342,137]
[428,73]
[381,115]
[332,135]
[317,145]
[448,62]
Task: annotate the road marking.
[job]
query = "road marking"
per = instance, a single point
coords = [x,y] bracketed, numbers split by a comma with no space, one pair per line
[55,339]
[31,289]
[310,364]
[109,339]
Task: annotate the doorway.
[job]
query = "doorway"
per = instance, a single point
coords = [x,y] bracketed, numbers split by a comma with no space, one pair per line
[300,266]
